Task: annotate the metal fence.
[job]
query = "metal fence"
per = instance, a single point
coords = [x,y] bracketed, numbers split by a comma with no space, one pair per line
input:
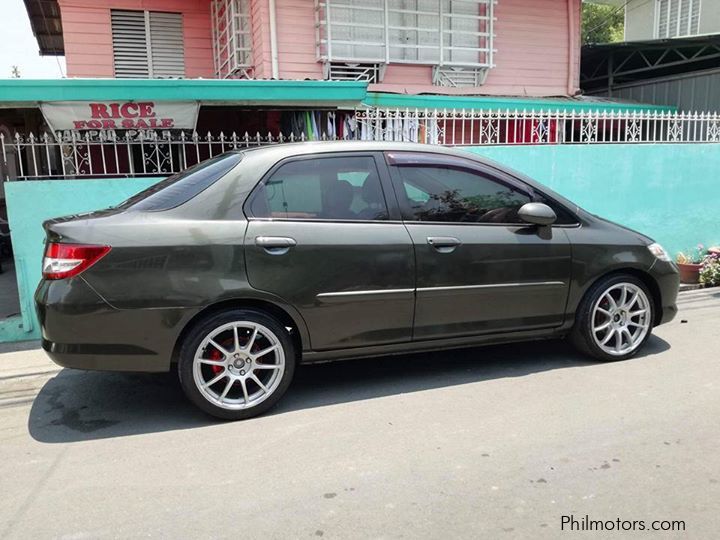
[156,153]
[111,154]
[478,128]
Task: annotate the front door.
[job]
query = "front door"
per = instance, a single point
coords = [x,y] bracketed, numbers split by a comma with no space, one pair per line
[479,268]
[320,238]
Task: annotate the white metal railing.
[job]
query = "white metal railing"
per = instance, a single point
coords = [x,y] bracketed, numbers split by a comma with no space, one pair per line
[73,154]
[459,127]
[156,153]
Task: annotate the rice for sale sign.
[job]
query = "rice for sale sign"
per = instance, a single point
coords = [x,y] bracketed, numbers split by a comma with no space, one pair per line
[107,115]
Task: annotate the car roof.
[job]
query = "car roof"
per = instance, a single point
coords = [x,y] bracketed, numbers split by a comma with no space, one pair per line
[277,152]
[280,151]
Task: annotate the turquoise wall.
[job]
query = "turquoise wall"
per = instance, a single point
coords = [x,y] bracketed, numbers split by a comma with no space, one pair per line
[670,192]
[29,204]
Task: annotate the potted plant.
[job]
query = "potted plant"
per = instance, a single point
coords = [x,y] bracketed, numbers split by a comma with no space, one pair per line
[710,271]
[689,262]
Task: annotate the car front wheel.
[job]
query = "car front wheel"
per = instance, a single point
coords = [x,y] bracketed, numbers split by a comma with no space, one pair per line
[614,319]
[236,364]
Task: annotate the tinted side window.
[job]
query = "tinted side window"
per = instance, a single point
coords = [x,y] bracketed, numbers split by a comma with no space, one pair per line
[438,193]
[183,186]
[322,188]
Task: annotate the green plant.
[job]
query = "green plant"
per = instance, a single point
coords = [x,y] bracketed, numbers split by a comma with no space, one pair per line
[695,255]
[602,24]
[710,271]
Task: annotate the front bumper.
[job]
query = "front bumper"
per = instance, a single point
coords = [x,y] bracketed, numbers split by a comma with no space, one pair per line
[82,331]
[667,278]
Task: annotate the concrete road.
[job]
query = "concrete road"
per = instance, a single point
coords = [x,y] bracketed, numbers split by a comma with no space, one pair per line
[486,443]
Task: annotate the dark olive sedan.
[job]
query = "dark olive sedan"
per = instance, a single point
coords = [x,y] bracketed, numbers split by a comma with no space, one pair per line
[238,269]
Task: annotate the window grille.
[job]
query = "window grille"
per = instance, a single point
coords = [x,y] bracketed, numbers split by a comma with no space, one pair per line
[448,33]
[458,76]
[677,18]
[147,44]
[339,71]
[232,38]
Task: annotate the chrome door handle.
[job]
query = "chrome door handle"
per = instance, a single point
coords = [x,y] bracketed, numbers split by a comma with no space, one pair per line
[275,245]
[443,244]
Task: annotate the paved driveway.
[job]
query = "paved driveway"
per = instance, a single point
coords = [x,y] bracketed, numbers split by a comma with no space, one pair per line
[497,443]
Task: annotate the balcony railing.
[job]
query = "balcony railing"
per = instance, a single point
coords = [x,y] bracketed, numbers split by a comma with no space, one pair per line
[159,153]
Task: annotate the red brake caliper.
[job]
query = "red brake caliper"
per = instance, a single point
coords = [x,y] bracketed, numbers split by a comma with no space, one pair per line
[215,355]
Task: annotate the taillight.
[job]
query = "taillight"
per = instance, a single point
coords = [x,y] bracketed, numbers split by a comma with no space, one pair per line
[68,260]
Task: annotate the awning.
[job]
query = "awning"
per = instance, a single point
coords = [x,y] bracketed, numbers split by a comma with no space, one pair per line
[403,101]
[278,93]
[32,92]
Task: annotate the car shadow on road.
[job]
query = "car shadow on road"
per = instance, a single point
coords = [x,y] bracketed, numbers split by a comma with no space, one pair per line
[77,405]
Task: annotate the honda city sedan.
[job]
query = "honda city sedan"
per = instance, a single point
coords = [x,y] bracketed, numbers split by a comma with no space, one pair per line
[236,270]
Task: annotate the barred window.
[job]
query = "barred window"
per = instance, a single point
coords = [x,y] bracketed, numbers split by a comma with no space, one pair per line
[450,33]
[677,18]
[147,44]
[232,37]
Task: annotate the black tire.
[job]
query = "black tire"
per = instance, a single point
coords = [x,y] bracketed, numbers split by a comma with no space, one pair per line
[193,340]
[581,335]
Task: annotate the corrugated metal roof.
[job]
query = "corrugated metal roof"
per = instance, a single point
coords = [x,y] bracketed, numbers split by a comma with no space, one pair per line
[46,26]
[679,72]
[694,91]
[659,43]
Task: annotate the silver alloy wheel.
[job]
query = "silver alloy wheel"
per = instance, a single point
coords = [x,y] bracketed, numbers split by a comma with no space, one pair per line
[238,365]
[621,319]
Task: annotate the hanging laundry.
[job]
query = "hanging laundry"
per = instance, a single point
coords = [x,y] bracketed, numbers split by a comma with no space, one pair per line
[331,125]
[351,124]
[433,132]
[315,130]
[309,135]
[398,130]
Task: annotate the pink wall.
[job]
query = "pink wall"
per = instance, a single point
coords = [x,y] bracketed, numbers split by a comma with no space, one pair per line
[88,38]
[296,39]
[537,45]
[260,20]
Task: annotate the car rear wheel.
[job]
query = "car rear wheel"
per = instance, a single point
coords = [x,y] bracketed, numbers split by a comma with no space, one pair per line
[236,364]
[614,319]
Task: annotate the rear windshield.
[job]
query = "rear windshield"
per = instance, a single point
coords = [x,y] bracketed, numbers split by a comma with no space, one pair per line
[183,186]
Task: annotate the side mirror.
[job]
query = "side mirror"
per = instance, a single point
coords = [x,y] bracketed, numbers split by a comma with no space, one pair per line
[537,214]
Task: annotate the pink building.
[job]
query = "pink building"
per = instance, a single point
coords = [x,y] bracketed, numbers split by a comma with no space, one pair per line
[471,47]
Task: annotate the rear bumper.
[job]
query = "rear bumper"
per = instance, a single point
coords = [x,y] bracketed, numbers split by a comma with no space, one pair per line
[82,331]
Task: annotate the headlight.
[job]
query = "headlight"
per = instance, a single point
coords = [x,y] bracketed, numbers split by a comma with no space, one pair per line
[659,252]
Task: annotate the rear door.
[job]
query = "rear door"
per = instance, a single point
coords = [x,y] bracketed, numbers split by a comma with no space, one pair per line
[322,237]
[479,268]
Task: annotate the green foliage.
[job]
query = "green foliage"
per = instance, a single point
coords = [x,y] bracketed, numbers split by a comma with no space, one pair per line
[710,271]
[602,24]
[692,256]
